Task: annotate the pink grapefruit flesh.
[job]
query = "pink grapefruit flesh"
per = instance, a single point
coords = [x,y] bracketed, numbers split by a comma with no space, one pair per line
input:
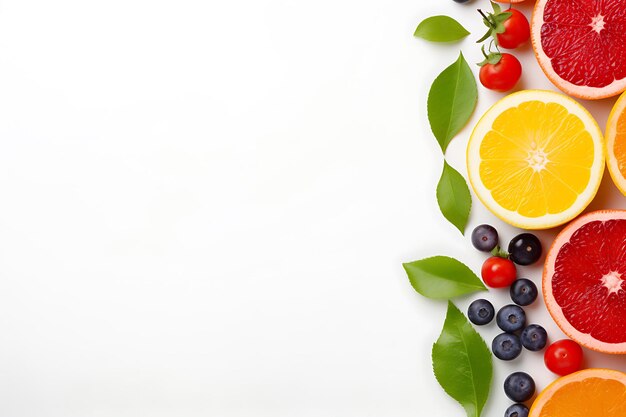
[581,45]
[583,280]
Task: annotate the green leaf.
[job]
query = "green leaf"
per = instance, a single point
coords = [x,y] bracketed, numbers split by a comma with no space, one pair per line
[442,277]
[502,17]
[485,36]
[451,101]
[454,197]
[462,362]
[440,29]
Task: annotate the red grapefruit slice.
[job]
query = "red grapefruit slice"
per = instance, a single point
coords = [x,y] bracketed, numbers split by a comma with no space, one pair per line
[581,45]
[584,277]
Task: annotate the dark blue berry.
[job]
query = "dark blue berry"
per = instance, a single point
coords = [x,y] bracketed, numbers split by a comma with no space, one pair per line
[461,1]
[516,410]
[534,337]
[485,238]
[481,312]
[523,292]
[519,387]
[511,318]
[506,346]
[525,249]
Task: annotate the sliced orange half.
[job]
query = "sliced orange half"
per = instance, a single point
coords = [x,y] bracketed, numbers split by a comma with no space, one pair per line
[587,393]
[536,159]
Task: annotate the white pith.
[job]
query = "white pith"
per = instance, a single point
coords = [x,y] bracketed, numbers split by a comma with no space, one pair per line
[555,309]
[612,282]
[616,87]
[536,158]
[597,23]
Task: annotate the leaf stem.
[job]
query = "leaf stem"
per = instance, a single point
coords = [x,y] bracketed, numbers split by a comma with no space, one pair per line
[487,20]
[500,253]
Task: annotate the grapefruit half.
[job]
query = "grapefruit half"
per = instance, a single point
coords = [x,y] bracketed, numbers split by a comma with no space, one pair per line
[587,393]
[581,45]
[584,277]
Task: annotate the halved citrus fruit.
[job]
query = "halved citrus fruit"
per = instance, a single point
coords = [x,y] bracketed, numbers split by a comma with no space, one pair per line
[536,159]
[583,280]
[586,393]
[581,45]
[616,144]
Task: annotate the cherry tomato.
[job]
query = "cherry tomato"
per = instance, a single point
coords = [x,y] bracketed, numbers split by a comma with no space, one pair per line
[498,272]
[516,30]
[563,357]
[501,76]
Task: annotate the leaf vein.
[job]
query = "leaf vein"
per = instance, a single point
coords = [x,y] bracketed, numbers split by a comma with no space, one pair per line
[471,368]
[456,91]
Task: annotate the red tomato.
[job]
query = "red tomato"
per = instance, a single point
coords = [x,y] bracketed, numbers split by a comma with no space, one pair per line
[563,357]
[498,272]
[501,76]
[516,30]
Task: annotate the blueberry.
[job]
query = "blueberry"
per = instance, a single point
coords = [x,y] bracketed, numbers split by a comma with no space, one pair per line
[511,318]
[481,312]
[506,346]
[519,387]
[485,238]
[534,337]
[525,249]
[523,292]
[461,1]
[516,410]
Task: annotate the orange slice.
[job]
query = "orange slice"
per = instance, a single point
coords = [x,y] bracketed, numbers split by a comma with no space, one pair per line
[616,144]
[536,159]
[587,393]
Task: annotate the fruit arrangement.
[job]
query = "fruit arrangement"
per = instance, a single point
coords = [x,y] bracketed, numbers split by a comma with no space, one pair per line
[535,159]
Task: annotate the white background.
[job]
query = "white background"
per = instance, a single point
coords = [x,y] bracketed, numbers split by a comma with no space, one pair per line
[205,208]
